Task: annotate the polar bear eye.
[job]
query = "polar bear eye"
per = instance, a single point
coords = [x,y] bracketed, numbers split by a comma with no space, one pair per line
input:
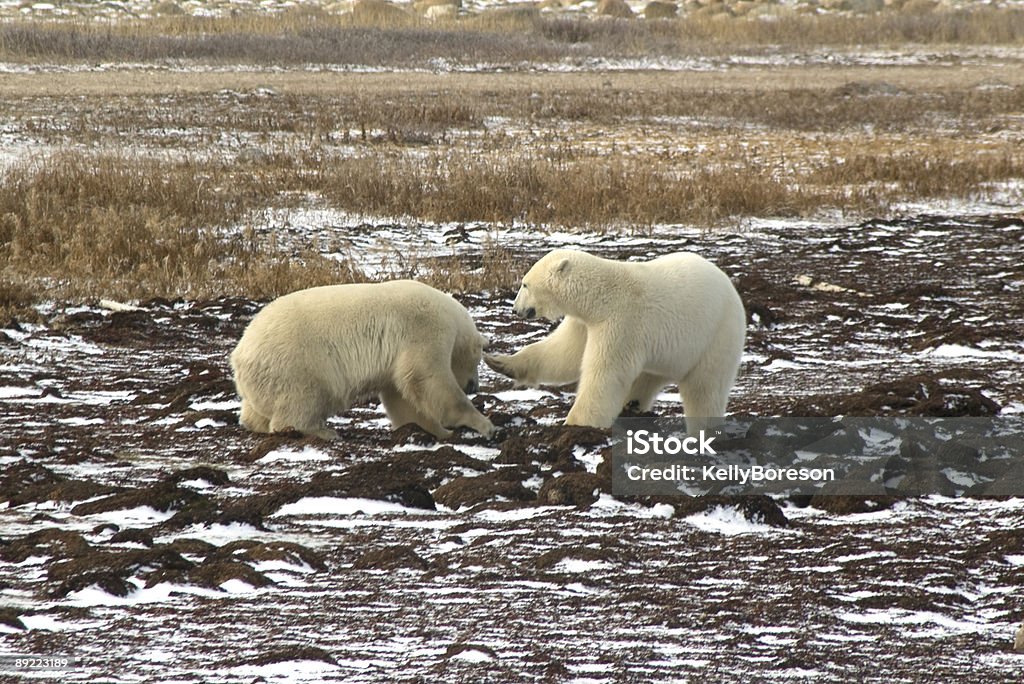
[525,287]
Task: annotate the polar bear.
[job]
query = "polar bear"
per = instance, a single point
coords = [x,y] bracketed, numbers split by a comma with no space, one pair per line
[313,353]
[630,329]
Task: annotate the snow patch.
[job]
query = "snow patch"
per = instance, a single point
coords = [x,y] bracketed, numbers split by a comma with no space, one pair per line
[575,565]
[331,505]
[473,655]
[308,453]
[959,351]
[726,520]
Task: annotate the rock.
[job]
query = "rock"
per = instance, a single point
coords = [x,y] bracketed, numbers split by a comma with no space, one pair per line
[380,12]
[132,536]
[51,541]
[659,9]
[573,489]
[163,496]
[864,6]
[434,9]
[474,653]
[919,6]
[846,504]
[286,654]
[550,559]
[505,484]
[391,558]
[168,9]
[615,8]
[26,482]
[436,12]
[260,552]
[12,618]
[757,508]
[110,569]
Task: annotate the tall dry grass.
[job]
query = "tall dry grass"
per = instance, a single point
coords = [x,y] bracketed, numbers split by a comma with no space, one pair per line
[598,192]
[292,126]
[903,176]
[84,224]
[78,224]
[397,38]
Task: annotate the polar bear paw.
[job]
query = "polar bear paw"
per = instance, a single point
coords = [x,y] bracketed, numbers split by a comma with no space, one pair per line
[501,363]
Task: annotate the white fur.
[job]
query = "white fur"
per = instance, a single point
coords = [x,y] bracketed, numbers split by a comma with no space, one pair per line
[630,329]
[313,353]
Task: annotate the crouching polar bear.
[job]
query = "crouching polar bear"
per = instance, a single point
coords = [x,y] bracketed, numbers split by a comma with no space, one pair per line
[630,329]
[313,353]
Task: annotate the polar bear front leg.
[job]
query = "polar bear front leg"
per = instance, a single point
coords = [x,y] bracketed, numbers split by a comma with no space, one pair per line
[645,389]
[430,388]
[307,414]
[605,385]
[252,419]
[555,360]
[400,412]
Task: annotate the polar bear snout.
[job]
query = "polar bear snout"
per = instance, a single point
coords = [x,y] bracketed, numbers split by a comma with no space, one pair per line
[522,307]
[527,313]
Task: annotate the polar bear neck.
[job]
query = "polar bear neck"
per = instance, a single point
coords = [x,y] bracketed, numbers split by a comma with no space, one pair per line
[584,294]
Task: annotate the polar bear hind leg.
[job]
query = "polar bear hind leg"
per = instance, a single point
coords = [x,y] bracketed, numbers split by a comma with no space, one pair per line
[703,406]
[705,390]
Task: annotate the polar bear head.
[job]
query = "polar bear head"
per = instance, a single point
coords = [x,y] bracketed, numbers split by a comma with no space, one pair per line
[466,355]
[546,287]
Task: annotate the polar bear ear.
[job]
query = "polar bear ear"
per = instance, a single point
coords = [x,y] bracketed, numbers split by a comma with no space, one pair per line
[562,267]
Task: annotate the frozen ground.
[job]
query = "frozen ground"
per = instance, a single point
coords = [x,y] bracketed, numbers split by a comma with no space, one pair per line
[146,534]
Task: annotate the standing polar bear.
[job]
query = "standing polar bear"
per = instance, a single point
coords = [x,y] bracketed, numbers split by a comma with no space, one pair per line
[313,353]
[630,329]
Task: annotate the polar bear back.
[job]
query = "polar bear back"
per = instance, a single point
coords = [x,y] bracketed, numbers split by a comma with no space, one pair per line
[333,334]
[685,299]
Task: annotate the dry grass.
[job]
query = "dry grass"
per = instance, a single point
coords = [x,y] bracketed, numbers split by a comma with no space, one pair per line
[171,205]
[594,193]
[83,224]
[902,176]
[978,25]
[291,125]
[79,225]
[17,300]
[495,268]
[392,38]
[637,191]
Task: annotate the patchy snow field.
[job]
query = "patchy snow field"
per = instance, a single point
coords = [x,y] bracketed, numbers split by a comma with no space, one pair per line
[143,532]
